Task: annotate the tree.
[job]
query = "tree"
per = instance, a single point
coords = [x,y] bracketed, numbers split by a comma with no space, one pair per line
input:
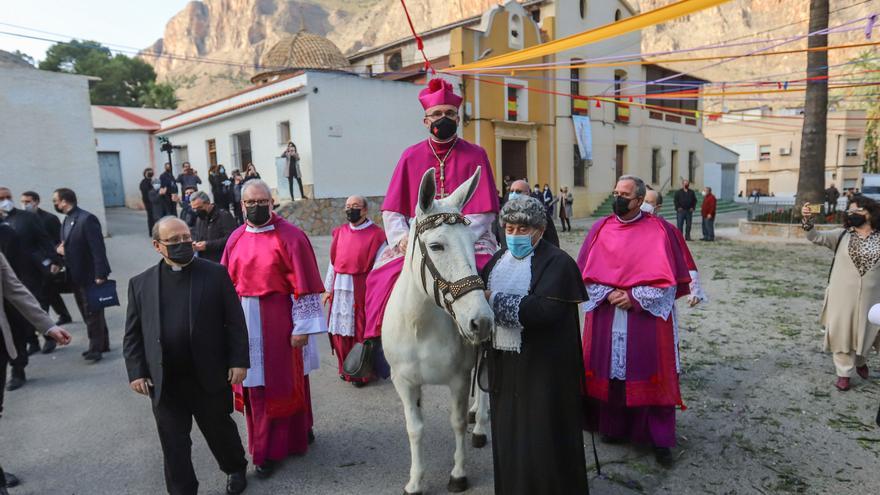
[125,81]
[24,57]
[811,180]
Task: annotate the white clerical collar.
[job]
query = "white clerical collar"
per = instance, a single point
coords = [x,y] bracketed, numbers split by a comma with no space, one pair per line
[257,230]
[361,226]
[629,221]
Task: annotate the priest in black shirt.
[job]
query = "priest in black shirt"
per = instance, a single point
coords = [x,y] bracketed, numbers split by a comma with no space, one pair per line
[185,343]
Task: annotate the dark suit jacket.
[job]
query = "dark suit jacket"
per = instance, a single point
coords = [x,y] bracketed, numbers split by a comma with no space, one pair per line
[34,239]
[217,329]
[51,224]
[84,252]
[214,230]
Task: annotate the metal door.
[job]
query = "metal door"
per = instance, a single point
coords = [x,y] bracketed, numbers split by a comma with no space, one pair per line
[111,178]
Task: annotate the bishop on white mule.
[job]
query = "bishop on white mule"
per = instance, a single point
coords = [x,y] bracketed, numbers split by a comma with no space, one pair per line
[436,316]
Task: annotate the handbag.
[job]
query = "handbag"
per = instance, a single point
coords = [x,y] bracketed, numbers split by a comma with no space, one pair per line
[102,296]
[359,362]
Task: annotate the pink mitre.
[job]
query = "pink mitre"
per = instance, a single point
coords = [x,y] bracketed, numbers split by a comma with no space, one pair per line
[438,92]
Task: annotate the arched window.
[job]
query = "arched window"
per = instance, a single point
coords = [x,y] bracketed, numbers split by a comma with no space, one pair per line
[617,15]
[515,32]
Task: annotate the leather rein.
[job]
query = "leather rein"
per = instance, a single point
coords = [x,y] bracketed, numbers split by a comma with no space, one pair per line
[445,292]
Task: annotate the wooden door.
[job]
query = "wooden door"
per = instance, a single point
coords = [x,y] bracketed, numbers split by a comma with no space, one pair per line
[514,160]
[619,161]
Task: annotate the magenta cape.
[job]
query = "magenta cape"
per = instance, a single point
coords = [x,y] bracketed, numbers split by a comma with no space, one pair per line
[273,266]
[627,255]
[403,192]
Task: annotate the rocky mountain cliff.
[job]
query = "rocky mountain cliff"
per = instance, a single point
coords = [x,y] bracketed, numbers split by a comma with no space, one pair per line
[229,36]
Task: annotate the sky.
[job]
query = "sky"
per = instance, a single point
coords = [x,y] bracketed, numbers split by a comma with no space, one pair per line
[133,23]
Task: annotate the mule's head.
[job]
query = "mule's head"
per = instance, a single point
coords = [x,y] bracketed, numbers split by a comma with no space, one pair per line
[450,248]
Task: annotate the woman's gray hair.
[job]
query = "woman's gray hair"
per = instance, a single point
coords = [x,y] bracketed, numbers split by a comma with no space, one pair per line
[524,211]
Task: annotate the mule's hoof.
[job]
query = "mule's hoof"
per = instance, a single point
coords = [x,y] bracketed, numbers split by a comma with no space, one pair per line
[457,485]
[472,417]
[478,441]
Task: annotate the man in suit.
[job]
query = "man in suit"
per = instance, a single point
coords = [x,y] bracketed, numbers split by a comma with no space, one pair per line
[185,344]
[82,245]
[30,201]
[212,229]
[16,295]
[520,188]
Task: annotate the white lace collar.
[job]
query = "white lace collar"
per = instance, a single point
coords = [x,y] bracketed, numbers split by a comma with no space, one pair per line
[361,226]
[629,221]
[258,230]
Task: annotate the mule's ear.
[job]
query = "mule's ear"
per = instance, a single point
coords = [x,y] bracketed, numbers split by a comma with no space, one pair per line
[466,190]
[427,191]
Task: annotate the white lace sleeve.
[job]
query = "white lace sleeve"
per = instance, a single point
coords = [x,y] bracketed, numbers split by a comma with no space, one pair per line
[308,315]
[659,302]
[596,293]
[506,309]
[328,280]
[396,226]
[696,287]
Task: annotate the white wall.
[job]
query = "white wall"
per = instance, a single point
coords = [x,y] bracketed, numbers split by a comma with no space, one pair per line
[46,137]
[379,119]
[134,156]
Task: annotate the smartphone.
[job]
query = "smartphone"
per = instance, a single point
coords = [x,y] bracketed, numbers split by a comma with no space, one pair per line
[815,209]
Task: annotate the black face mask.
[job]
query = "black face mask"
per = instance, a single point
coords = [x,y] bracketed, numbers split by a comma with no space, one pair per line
[621,206]
[180,253]
[258,214]
[855,219]
[443,128]
[150,175]
[58,209]
[353,215]
[202,214]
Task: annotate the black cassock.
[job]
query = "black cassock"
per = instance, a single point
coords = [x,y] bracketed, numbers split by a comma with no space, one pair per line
[536,394]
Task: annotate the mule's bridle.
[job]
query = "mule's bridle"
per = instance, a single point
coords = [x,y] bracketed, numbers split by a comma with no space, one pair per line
[445,292]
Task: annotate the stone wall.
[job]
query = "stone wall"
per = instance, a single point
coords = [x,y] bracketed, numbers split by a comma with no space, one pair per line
[321,216]
[785,230]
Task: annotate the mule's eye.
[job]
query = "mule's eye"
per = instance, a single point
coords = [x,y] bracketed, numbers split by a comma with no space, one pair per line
[436,247]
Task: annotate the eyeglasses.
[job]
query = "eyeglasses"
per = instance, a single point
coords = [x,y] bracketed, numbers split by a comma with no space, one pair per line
[254,202]
[176,240]
[436,115]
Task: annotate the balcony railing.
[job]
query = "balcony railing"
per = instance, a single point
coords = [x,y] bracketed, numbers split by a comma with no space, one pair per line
[685,117]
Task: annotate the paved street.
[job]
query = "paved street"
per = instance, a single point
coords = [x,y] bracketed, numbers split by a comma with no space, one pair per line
[76,428]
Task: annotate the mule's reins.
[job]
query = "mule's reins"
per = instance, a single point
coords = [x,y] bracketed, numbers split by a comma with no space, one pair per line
[445,292]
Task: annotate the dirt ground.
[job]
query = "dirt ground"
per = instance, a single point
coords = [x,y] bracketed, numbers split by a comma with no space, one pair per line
[762,413]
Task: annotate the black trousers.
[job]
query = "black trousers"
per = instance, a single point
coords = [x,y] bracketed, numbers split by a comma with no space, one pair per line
[53,299]
[4,360]
[299,181]
[96,325]
[236,210]
[182,400]
[22,333]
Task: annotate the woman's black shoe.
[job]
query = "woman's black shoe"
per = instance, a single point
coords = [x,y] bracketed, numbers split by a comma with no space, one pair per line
[12,480]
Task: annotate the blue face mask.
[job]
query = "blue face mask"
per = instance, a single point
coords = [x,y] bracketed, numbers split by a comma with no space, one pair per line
[513,195]
[520,246]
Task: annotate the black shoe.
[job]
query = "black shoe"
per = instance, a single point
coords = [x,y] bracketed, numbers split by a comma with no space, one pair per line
[266,469]
[84,353]
[12,480]
[236,482]
[64,320]
[33,348]
[15,383]
[663,455]
[93,356]
[611,440]
[49,346]
[359,384]
[311,436]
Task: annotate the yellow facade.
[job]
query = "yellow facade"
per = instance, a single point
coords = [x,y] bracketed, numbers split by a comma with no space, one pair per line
[522,145]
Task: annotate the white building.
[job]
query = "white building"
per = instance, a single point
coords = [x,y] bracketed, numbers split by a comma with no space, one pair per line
[349,131]
[720,170]
[46,136]
[126,146]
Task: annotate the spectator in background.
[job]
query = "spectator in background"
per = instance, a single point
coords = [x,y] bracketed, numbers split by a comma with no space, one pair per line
[537,193]
[82,245]
[186,213]
[168,192]
[831,197]
[685,204]
[548,200]
[30,201]
[292,170]
[565,200]
[707,211]
[189,177]
[520,189]
[212,228]
[250,173]
[220,186]
[150,198]
[237,181]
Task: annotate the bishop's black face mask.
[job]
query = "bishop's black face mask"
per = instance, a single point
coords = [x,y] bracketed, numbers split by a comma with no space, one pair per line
[443,128]
[353,215]
[621,206]
[180,253]
[258,214]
